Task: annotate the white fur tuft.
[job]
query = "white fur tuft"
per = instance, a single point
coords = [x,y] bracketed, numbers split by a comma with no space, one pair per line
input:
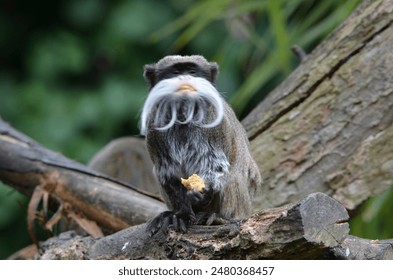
[164,101]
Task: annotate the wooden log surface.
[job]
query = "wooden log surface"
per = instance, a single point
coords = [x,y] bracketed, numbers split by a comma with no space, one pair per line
[307,229]
[313,228]
[24,164]
[329,126]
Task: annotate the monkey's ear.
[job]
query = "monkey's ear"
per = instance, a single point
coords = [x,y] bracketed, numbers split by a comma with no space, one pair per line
[213,71]
[149,73]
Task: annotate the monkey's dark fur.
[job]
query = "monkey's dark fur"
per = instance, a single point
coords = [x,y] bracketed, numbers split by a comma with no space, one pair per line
[193,130]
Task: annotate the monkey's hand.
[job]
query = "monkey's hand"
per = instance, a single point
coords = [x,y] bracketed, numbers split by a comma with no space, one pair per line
[198,193]
[200,199]
[169,220]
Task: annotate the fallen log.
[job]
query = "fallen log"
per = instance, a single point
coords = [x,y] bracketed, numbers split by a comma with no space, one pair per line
[24,165]
[313,228]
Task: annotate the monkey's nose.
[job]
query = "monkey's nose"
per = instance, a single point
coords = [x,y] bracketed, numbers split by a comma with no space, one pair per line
[185,87]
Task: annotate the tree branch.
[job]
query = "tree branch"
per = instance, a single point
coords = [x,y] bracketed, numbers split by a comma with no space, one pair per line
[24,164]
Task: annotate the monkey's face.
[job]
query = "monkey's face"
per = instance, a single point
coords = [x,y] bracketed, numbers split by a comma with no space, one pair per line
[182,100]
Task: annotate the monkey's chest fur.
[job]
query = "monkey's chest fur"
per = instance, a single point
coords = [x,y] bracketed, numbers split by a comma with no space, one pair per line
[184,150]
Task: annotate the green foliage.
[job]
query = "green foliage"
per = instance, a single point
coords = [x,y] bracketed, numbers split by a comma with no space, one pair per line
[261,33]
[71,71]
[373,220]
[13,229]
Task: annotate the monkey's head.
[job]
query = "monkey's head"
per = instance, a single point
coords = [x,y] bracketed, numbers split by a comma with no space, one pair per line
[181,91]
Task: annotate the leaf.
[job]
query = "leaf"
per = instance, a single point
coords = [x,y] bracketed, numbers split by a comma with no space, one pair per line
[256,80]
[281,36]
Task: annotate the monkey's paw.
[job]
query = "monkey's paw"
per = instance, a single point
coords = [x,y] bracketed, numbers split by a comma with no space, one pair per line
[169,220]
[198,198]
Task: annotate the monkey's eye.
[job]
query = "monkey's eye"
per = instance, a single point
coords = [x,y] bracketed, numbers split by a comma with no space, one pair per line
[175,72]
[192,71]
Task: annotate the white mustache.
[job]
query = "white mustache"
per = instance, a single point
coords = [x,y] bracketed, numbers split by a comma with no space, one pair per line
[165,101]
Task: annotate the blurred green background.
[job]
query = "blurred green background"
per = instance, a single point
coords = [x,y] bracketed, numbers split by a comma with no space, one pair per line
[71,71]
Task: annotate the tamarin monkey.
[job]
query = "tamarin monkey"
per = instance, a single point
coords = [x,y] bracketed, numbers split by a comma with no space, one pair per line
[190,129]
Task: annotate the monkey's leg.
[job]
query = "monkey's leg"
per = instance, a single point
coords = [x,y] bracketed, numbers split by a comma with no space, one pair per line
[182,214]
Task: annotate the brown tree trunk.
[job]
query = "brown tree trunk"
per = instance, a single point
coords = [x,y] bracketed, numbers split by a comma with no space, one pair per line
[328,127]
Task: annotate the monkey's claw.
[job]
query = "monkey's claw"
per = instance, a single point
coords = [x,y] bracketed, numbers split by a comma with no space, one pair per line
[170,221]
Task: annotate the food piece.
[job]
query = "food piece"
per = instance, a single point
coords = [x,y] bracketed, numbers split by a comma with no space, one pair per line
[194,182]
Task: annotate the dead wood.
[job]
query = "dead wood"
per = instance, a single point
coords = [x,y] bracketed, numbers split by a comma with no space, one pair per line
[328,127]
[26,165]
[314,228]
[127,159]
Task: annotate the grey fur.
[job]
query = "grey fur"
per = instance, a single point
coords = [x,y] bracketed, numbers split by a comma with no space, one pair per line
[219,154]
[173,59]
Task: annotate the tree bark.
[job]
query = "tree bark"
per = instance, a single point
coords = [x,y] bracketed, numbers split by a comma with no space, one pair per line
[24,164]
[326,129]
[314,228]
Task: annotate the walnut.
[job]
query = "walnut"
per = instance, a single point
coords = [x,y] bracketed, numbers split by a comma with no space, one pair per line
[194,182]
